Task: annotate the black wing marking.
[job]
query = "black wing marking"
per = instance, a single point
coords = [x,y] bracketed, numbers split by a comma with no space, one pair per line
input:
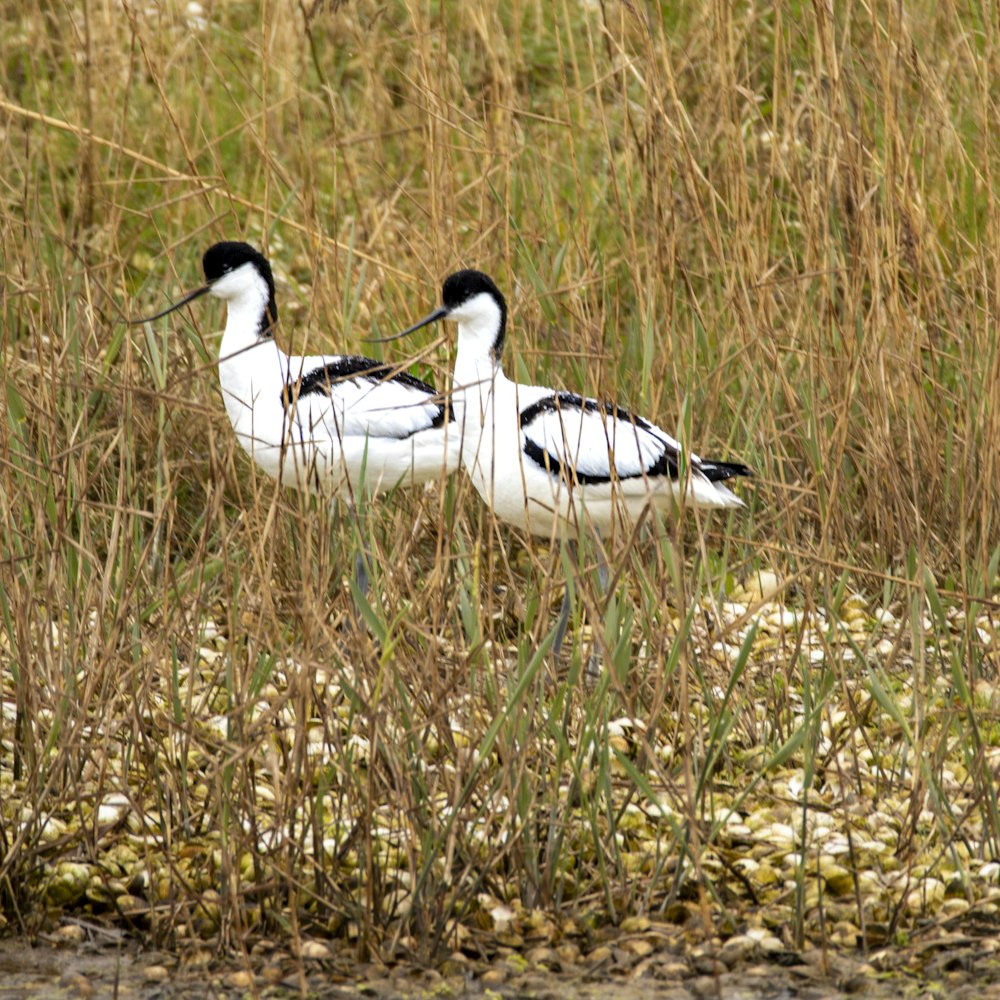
[716,472]
[324,378]
[564,403]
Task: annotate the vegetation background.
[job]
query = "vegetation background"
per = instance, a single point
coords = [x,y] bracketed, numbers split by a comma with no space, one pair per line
[770,227]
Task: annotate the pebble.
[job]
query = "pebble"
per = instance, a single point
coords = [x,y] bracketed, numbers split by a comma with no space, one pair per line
[156,974]
[209,656]
[771,944]
[764,585]
[640,947]
[515,963]
[784,618]
[130,904]
[953,907]
[704,986]
[928,893]
[112,808]
[456,964]
[673,970]
[737,949]
[855,602]
[542,956]
[568,952]
[635,925]
[314,950]
[845,935]
[990,871]
[708,965]
[70,934]
[78,983]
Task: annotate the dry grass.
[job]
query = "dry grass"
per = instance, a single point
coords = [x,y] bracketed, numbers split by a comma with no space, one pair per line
[772,228]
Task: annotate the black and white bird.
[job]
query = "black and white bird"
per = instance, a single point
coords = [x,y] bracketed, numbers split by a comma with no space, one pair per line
[545,459]
[555,463]
[331,424]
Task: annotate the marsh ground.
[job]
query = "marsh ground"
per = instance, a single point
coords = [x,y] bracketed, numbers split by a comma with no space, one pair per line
[51,971]
[771,228]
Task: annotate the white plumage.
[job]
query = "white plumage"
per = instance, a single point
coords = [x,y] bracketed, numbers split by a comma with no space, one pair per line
[552,462]
[330,423]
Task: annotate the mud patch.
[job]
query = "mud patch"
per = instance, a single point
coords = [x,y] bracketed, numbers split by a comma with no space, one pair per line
[105,967]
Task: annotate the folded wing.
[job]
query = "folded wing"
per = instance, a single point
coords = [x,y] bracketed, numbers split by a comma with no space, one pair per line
[361,397]
[590,442]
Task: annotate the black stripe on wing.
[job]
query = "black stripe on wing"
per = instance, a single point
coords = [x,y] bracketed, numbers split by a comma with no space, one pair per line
[320,381]
[666,465]
[716,472]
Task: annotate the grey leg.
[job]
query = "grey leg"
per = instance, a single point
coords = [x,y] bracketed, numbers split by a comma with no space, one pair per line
[602,566]
[593,670]
[362,560]
[563,623]
[361,579]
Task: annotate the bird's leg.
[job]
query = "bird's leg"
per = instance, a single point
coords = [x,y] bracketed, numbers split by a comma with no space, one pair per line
[602,565]
[361,561]
[564,610]
[593,669]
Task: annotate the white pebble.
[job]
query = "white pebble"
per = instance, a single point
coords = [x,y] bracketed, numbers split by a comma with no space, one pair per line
[112,808]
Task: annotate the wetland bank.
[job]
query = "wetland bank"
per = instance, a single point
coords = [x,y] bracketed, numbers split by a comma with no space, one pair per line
[769,229]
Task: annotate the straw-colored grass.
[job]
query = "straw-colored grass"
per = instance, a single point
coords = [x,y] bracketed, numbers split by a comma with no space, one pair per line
[770,228]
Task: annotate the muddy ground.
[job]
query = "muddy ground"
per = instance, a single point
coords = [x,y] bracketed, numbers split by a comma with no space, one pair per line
[956,966]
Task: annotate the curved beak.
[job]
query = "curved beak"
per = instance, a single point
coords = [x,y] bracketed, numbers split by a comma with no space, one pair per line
[440,313]
[191,296]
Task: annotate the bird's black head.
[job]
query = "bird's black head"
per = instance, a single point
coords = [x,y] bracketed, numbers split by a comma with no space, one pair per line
[460,290]
[223,258]
[463,286]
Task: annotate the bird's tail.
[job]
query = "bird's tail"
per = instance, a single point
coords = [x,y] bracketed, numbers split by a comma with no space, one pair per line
[716,472]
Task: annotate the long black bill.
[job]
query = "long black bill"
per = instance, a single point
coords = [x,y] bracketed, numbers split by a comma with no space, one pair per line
[191,296]
[439,313]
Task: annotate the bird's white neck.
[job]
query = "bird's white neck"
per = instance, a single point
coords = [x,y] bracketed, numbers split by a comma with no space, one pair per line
[249,363]
[245,318]
[476,373]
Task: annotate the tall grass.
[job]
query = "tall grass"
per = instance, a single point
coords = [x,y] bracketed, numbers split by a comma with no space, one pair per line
[771,229]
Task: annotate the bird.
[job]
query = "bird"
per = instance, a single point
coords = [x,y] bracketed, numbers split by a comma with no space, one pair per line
[551,462]
[330,424]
